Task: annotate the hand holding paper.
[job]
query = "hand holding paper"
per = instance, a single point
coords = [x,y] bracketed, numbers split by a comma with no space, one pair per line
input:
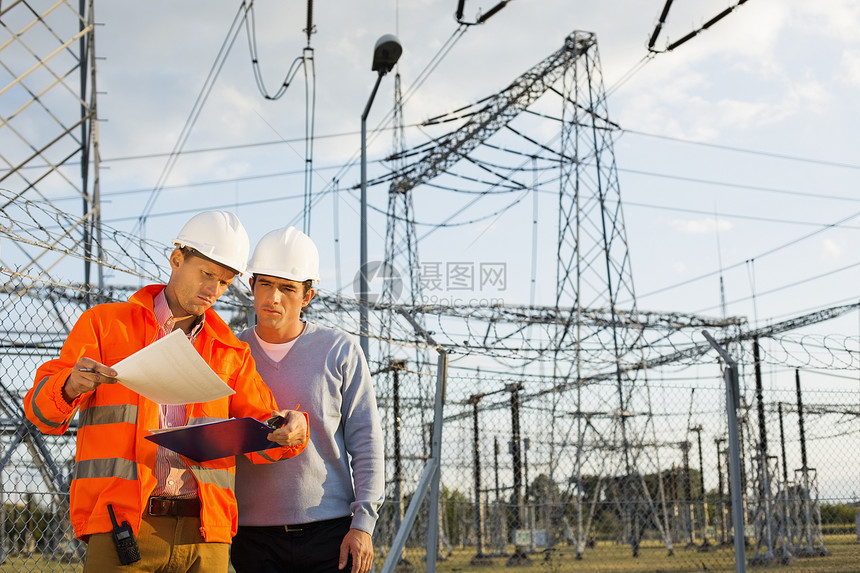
[169,371]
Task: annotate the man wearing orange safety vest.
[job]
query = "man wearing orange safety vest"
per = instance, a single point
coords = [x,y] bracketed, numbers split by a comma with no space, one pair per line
[182,513]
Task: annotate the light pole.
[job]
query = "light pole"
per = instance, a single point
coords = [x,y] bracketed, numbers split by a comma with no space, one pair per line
[385,55]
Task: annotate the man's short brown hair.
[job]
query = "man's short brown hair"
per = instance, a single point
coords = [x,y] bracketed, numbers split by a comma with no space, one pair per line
[192,252]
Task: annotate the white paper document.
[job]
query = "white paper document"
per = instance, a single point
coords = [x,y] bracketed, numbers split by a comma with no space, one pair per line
[169,371]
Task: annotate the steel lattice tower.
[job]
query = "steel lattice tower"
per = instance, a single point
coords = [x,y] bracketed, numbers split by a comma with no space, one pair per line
[401,242]
[598,334]
[593,271]
[49,129]
[402,374]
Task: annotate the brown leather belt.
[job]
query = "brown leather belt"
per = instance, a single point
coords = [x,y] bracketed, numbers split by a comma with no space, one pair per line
[173,506]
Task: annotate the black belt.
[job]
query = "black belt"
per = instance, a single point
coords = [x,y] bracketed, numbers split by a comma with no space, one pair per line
[295,528]
[173,506]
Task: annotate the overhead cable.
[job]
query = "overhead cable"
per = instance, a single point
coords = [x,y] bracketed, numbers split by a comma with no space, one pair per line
[759,256]
[251,30]
[173,157]
[482,18]
[306,63]
[690,35]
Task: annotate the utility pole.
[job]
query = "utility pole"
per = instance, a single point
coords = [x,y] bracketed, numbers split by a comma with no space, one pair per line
[395,367]
[688,496]
[519,556]
[720,493]
[730,376]
[764,513]
[811,514]
[787,522]
[706,544]
[480,557]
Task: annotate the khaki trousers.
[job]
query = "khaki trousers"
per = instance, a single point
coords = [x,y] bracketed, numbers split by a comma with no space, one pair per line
[167,545]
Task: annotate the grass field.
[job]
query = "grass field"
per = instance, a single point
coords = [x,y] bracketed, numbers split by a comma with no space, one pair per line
[612,558]
[604,558]
[37,563]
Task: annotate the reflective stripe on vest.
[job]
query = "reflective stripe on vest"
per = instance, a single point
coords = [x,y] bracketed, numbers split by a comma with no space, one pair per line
[106,468]
[120,413]
[224,479]
[265,456]
[38,412]
[204,420]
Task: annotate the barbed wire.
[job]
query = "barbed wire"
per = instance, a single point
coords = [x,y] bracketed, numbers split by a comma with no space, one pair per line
[50,230]
[528,337]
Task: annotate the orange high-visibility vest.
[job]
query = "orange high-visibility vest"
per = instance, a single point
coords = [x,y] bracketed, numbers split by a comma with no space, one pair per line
[114,464]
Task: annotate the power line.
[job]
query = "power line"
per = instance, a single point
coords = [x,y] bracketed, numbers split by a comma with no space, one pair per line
[741,185]
[202,97]
[344,134]
[746,150]
[787,286]
[761,255]
[690,35]
[823,226]
[251,31]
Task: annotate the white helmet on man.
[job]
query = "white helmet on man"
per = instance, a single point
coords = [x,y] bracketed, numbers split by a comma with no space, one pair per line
[288,254]
[219,236]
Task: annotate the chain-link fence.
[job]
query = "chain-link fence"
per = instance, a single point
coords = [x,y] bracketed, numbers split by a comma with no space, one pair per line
[564,480]
[623,472]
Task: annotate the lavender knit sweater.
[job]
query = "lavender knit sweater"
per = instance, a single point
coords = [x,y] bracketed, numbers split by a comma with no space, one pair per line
[340,472]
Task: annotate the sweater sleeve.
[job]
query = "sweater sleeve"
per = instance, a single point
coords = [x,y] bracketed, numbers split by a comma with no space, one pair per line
[364,441]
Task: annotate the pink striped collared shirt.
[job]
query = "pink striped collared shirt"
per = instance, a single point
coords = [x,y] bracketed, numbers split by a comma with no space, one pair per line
[171,473]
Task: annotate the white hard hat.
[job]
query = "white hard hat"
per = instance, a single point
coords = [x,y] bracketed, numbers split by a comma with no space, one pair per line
[217,235]
[288,254]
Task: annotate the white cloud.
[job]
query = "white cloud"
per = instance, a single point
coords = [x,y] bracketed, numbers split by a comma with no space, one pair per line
[831,249]
[802,97]
[778,76]
[700,226]
[851,65]
[835,18]
[688,104]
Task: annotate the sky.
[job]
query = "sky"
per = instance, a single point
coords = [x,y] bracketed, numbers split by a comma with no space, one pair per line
[736,152]
[736,157]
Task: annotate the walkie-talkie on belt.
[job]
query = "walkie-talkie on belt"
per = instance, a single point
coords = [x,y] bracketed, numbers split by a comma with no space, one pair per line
[123,538]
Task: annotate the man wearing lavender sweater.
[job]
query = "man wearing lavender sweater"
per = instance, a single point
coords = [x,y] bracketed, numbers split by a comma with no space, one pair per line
[317,513]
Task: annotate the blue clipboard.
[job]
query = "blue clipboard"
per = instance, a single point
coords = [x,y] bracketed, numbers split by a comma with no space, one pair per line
[216,440]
